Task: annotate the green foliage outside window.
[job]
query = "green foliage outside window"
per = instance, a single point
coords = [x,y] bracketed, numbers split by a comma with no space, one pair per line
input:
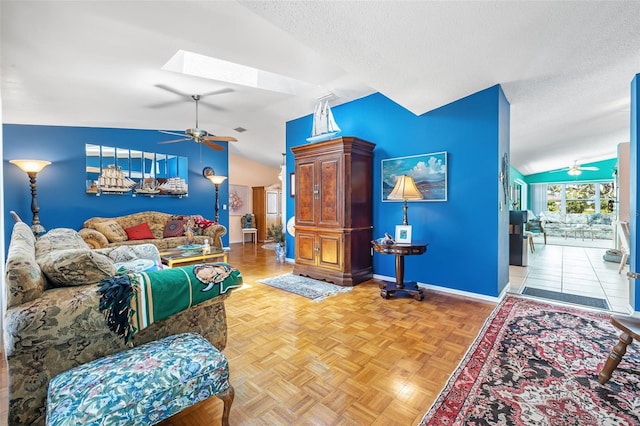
[581,198]
[553,206]
[607,197]
[554,198]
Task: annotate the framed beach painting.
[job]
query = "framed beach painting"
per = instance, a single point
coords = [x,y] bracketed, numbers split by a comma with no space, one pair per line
[429,172]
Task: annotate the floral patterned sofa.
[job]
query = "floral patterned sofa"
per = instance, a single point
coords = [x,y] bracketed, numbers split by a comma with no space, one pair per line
[596,225]
[164,230]
[53,322]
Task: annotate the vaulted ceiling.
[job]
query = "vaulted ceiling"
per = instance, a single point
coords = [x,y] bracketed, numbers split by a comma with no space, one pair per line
[565,67]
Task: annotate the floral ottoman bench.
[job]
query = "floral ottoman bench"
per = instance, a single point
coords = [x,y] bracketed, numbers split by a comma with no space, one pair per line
[141,386]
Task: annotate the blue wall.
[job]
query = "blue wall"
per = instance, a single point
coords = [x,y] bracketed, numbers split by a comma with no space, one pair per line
[468,234]
[61,186]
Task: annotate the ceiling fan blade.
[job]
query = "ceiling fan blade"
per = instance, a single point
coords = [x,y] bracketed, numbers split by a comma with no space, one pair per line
[589,168]
[213,145]
[176,140]
[221,138]
[566,169]
[172,90]
[217,92]
[167,132]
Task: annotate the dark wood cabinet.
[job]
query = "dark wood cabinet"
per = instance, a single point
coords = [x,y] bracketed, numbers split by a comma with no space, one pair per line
[517,247]
[333,210]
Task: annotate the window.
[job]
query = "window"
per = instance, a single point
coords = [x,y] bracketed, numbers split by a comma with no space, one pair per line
[554,198]
[585,198]
[580,198]
[607,197]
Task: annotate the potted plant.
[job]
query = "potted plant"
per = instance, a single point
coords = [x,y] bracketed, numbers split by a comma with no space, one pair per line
[276,234]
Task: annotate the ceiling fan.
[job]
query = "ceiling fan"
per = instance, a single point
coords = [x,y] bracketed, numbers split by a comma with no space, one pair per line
[577,169]
[199,135]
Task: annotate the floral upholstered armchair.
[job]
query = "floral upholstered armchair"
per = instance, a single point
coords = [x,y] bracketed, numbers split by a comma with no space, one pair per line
[535,226]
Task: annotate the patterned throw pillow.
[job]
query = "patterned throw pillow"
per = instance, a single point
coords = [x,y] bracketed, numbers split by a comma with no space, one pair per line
[173,228]
[71,267]
[59,239]
[139,232]
[112,230]
[121,254]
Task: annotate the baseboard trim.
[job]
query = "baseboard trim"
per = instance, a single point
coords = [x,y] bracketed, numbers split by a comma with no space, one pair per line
[468,294]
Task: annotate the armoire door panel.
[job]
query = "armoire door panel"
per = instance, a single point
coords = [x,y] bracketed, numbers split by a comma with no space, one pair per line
[305,248]
[330,251]
[330,192]
[306,193]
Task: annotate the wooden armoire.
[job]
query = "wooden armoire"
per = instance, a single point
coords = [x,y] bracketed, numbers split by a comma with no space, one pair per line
[334,211]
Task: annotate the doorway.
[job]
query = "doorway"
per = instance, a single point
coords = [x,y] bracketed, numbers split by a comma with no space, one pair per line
[577,269]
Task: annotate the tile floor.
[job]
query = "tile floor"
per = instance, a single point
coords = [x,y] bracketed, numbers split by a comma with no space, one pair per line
[569,268]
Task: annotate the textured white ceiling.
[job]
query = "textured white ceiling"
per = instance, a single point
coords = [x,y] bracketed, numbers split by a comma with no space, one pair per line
[565,67]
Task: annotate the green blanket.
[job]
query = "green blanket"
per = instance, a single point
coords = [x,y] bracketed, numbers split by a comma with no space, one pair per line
[132,302]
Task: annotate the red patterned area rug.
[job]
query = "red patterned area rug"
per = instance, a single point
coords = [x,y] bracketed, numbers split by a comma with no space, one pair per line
[537,364]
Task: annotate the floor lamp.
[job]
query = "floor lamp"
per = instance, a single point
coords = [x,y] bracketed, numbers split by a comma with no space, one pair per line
[32,168]
[216,180]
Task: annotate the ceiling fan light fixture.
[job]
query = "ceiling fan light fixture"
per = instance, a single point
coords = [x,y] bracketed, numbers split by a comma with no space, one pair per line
[574,172]
[197,134]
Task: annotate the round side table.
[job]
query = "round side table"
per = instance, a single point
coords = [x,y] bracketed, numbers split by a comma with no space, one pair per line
[389,289]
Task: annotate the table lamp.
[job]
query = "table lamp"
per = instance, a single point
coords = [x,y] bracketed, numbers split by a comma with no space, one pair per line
[405,189]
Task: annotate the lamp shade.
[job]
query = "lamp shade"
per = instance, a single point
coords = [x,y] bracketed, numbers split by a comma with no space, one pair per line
[28,166]
[217,180]
[405,189]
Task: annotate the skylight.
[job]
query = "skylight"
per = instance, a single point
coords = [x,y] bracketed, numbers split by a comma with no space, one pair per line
[190,63]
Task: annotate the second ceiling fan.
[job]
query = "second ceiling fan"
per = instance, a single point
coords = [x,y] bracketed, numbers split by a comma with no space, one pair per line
[576,169]
[199,135]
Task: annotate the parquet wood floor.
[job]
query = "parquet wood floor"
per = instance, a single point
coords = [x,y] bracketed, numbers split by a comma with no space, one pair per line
[351,359]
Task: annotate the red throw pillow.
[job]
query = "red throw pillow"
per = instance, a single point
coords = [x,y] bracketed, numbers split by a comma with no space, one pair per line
[203,223]
[173,228]
[139,232]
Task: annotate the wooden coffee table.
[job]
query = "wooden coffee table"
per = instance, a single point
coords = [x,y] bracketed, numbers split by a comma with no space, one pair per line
[173,257]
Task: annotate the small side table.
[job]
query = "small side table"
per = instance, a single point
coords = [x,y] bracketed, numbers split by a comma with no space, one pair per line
[251,231]
[389,289]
